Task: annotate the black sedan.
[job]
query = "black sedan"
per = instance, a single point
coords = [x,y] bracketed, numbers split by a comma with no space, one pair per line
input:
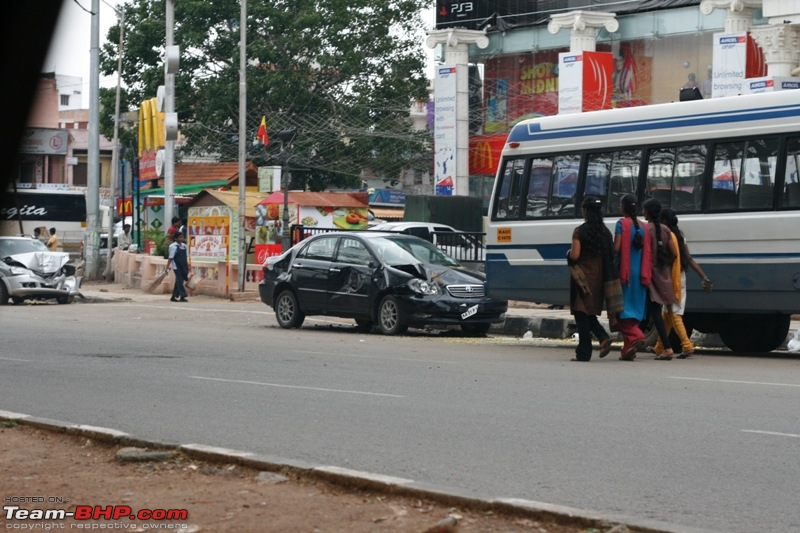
[388,280]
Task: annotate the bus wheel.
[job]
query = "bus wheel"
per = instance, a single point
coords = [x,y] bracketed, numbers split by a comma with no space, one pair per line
[755,333]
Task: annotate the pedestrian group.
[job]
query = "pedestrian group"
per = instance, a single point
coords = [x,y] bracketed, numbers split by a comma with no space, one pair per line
[638,273]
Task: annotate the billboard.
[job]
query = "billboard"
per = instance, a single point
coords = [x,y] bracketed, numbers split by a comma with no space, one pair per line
[584,81]
[444,133]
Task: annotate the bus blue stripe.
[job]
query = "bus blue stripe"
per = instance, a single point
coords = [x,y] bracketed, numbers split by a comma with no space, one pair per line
[533,132]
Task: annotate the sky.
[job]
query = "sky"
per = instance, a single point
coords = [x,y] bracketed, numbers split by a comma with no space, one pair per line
[70,53]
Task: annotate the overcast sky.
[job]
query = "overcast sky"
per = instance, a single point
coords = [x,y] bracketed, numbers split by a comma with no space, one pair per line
[69,53]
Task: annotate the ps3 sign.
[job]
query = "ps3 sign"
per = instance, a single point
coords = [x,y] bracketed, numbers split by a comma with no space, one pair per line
[461,14]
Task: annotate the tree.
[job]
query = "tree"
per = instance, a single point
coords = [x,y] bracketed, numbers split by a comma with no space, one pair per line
[342,72]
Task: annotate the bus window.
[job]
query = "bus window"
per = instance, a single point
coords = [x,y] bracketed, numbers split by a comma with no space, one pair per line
[791,194]
[758,174]
[725,180]
[611,176]
[539,179]
[565,185]
[509,190]
[675,176]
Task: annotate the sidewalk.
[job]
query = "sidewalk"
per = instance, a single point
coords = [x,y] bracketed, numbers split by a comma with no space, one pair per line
[522,317]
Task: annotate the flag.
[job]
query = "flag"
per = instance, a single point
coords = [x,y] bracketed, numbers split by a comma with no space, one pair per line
[262,132]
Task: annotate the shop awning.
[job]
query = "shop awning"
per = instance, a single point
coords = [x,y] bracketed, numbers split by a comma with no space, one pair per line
[189,189]
[387,213]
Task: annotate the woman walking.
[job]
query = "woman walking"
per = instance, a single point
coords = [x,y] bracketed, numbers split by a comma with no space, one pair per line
[591,243]
[673,316]
[662,292]
[635,272]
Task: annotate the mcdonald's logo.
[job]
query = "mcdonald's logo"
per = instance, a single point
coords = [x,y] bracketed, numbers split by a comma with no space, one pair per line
[125,208]
[484,154]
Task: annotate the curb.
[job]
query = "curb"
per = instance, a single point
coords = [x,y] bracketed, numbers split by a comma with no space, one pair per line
[348,478]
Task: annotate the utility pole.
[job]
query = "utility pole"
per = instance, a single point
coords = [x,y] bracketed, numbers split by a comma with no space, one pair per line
[169,116]
[115,150]
[91,236]
[242,143]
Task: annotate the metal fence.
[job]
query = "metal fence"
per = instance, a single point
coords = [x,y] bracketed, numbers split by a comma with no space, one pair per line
[466,247]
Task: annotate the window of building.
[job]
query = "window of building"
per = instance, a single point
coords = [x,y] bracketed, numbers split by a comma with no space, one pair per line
[64,99]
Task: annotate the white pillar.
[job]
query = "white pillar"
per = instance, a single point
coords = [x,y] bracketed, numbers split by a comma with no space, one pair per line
[781,46]
[739,16]
[456,45]
[583,26]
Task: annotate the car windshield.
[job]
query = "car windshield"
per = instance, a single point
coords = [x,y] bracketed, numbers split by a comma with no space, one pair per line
[20,246]
[400,251]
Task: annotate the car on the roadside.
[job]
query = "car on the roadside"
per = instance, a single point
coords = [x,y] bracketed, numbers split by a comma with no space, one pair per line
[384,280]
[29,271]
[463,246]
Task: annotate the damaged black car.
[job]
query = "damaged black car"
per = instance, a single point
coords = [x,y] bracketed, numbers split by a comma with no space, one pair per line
[381,280]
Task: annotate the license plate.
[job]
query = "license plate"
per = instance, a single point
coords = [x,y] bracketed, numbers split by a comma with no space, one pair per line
[469,312]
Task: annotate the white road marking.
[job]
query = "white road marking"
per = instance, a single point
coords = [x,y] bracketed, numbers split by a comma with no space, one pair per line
[12,359]
[296,387]
[738,381]
[771,433]
[378,357]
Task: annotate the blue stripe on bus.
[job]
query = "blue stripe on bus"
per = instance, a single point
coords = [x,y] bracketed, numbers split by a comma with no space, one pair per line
[533,131]
[559,251]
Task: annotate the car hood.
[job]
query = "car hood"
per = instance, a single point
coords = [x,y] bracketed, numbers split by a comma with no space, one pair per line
[44,262]
[441,274]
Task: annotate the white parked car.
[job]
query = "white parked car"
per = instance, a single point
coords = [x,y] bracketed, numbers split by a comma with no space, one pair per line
[464,246]
[29,271]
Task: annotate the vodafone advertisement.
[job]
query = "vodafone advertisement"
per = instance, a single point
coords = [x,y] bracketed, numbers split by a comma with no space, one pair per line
[584,81]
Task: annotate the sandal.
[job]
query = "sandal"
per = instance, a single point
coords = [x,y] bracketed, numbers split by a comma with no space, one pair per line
[685,355]
[605,347]
[663,358]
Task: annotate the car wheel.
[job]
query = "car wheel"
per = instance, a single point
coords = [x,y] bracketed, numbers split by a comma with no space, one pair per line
[475,330]
[3,293]
[390,317]
[65,299]
[16,300]
[364,325]
[287,310]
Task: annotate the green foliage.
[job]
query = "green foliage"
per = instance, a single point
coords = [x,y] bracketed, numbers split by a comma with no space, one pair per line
[342,72]
[9,423]
[161,240]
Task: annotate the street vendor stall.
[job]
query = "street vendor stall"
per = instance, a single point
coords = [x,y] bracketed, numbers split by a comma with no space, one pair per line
[335,210]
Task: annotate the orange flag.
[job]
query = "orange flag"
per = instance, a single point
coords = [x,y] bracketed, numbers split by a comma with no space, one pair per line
[262,132]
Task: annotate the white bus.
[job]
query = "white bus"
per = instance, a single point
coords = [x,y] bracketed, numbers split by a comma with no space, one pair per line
[727,166]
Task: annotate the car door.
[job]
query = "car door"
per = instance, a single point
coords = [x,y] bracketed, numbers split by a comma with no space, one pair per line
[310,273]
[350,280]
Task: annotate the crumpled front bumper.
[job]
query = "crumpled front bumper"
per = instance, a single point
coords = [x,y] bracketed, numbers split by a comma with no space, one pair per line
[32,286]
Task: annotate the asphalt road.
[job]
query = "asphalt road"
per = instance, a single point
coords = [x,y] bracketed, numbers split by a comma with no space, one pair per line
[710,442]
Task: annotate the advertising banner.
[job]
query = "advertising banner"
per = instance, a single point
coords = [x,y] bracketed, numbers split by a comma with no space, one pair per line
[570,83]
[584,81]
[209,238]
[444,132]
[41,141]
[736,58]
[768,84]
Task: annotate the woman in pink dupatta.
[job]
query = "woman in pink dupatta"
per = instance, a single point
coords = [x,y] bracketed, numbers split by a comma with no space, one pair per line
[635,271]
